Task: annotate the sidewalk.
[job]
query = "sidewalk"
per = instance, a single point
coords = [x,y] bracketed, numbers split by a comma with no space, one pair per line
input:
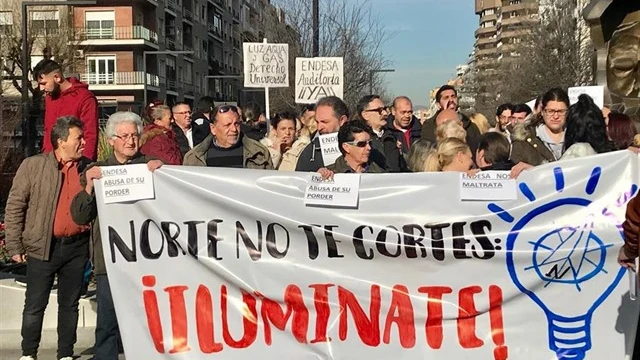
[10,344]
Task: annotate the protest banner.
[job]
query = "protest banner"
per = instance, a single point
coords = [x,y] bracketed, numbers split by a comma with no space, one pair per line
[230,263]
[319,77]
[266,65]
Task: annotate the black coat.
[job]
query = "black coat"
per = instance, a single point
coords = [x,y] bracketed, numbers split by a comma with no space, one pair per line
[310,158]
[499,166]
[415,131]
[198,134]
[385,153]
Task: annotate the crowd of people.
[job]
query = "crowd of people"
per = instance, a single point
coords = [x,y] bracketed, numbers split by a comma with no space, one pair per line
[51,216]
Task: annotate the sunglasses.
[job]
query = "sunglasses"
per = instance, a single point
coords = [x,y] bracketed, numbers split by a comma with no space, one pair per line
[379,110]
[226,108]
[359,144]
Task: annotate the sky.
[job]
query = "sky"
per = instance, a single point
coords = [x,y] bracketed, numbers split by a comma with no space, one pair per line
[430,37]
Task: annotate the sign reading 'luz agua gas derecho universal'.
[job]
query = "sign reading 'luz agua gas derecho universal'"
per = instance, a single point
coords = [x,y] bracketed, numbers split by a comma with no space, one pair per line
[232,264]
[266,65]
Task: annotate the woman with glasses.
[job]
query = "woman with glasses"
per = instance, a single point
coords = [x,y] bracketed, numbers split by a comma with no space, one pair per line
[354,140]
[158,138]
[385,148]
[542,141]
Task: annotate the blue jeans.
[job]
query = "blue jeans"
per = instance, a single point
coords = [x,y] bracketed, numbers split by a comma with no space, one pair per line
[107,333]
[67,260]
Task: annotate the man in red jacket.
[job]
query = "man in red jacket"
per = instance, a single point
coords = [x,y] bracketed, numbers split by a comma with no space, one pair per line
[67,97]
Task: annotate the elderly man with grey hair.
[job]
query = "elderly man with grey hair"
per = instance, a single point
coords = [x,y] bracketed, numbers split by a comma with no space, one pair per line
[123,132]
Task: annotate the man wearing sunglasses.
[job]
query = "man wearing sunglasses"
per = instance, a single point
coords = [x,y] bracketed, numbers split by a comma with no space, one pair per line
[385,151]
[227,146]
[354,140]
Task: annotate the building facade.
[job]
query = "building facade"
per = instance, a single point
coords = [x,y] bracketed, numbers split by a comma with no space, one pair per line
[503,24]
[132,51]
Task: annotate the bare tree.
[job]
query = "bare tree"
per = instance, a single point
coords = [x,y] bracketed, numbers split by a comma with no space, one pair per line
[50,39]
[348,29]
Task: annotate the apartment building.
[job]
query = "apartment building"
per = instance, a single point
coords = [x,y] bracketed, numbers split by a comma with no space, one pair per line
[503,24]
[129,51]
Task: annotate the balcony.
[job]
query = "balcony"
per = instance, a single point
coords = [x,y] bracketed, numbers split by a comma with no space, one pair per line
[236,17]
[485,30]
[171,5]
[491,17]
[485,40]
[187,15]
[489,51]
[131,80]
[188,89]
[531,6]
[219,4]
[521,20]
[118,35]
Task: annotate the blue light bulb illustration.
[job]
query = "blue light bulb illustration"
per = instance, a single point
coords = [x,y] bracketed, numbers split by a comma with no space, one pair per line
[554,267]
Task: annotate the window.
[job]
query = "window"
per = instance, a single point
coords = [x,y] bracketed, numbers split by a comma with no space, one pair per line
[217,24]
[100,24]
[101,69]
[203,13]
[188,72]
[488,12]
[514,2]
[6,21]
[44,22]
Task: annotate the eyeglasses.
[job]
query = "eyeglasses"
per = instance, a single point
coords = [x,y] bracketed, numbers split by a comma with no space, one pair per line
[226,108]
[551,112]
[127,137]
[359,144]
[183,113]
[379,110]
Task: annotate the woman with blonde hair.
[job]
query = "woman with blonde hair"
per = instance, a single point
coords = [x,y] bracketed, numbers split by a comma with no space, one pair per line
[452,154]
[481,122]
[418,154]
[450,129]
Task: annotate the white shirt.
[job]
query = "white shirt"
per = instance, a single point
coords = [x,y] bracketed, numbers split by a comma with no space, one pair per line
[189,135]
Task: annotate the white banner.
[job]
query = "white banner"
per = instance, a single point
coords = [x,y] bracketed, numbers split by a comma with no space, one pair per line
[266,65]
[318,77]
[230,263]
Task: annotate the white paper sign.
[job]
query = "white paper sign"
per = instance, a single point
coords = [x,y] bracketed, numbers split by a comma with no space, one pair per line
[532,104]
[488,185]
[341,191]
[596,93]
[330,149]
[318,77]
[266,65]
[126,183]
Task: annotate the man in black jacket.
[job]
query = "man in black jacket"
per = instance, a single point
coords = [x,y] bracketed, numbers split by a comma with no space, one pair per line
[447,98]
[331,113]
[405,127]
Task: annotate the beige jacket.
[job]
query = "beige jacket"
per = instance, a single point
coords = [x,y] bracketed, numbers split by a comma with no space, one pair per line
[255,155]
[288,160]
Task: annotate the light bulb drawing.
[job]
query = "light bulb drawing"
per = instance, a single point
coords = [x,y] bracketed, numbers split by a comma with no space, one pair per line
[554,267]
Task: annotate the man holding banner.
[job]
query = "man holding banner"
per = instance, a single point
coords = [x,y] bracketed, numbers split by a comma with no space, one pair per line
[123,132]
[227,146]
